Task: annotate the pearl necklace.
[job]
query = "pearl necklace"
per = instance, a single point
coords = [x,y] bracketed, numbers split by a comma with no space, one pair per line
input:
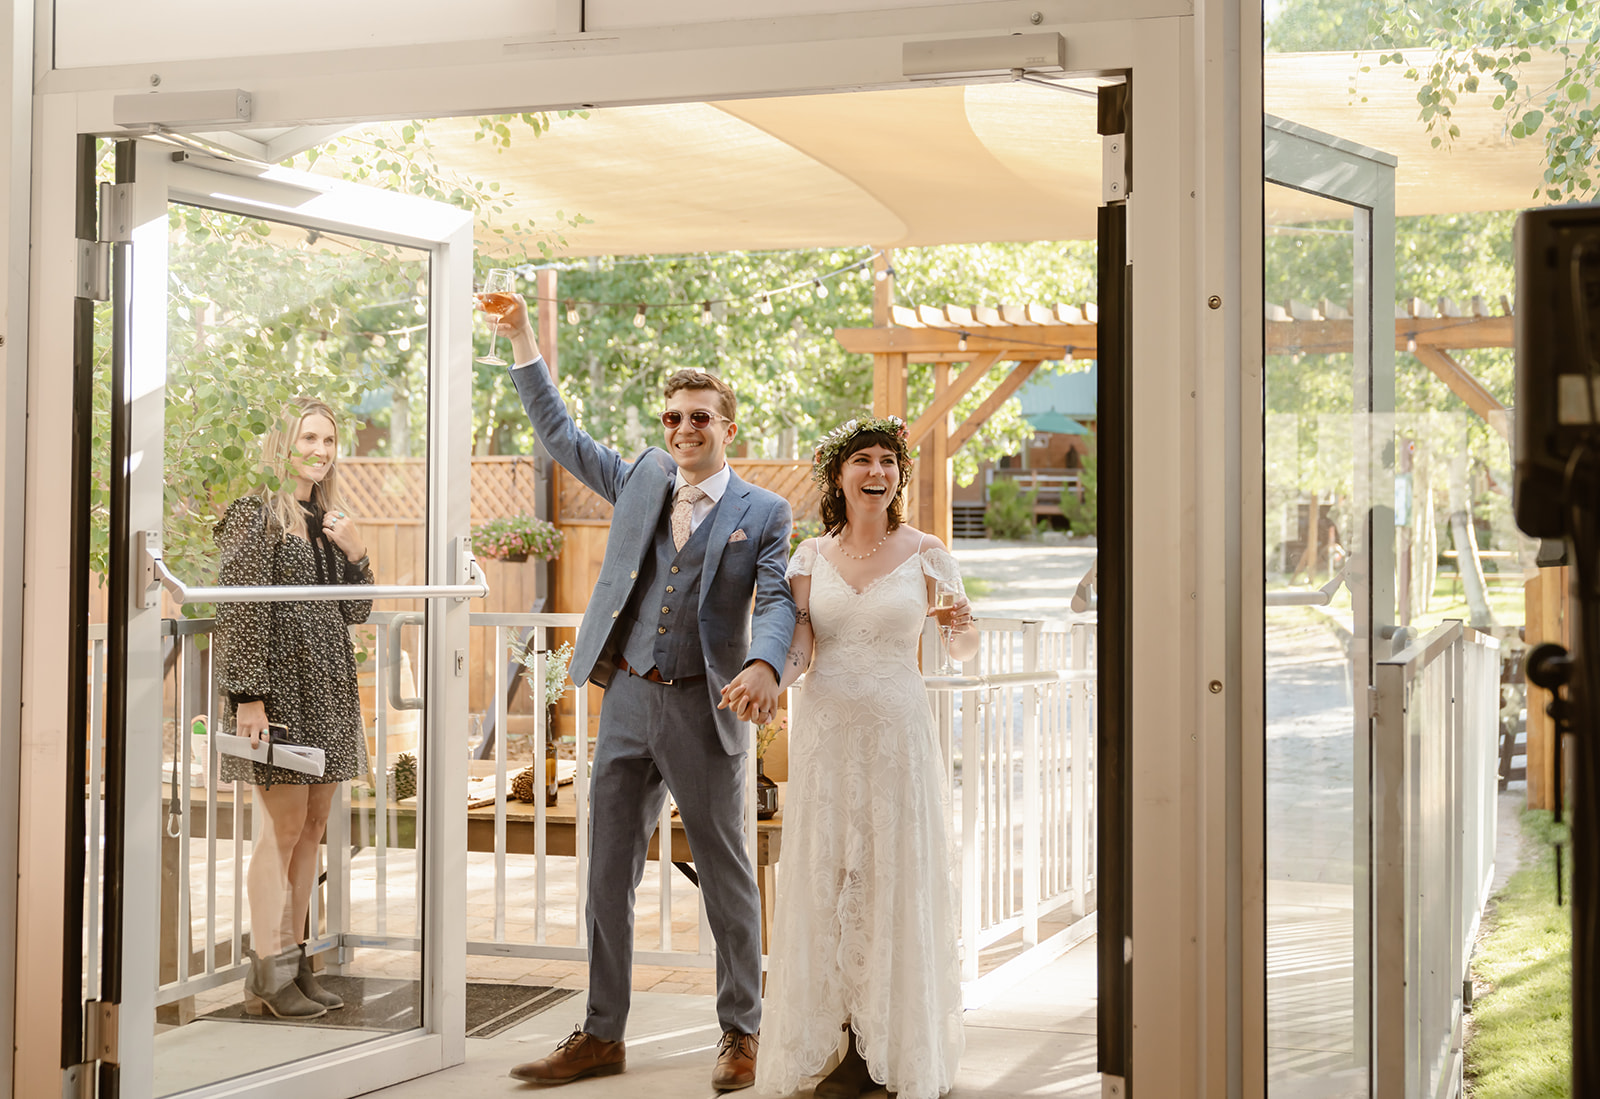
[862,556]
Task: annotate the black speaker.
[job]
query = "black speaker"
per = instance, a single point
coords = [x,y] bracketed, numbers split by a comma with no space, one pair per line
[1557,325]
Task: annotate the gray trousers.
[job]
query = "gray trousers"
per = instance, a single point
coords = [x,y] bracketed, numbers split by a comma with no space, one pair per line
[655,738]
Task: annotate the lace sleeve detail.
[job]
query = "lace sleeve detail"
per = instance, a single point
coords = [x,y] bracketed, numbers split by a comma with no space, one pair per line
[804,559]
[938,564]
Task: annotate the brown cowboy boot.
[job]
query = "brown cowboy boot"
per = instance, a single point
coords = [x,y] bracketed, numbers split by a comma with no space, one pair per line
[577,1056]
[736,1061]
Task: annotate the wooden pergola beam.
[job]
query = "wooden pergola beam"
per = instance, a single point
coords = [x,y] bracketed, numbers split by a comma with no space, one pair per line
[947,398]
[1465,386]
[1043,342]
[969,427]
[1081,341]
[889,385]
[1331,337]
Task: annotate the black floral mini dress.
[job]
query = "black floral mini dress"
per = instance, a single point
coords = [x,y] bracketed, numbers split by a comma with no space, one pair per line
[297,658]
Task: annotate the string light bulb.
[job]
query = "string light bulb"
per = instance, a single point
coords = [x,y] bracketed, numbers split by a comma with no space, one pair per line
[638,318]
[885,273]
[404,342]
[1411,343]
[822,291]
[572,312]
[961,344]
[705,312]
[766,305]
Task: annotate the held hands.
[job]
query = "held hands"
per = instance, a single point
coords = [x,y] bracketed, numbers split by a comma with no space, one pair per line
[250,721]
[753,694]
[341,529]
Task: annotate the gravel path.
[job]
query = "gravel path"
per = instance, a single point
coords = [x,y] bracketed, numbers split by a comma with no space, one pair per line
[1025,579]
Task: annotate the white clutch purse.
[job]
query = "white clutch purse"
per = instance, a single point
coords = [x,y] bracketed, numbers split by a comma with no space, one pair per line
[279,751]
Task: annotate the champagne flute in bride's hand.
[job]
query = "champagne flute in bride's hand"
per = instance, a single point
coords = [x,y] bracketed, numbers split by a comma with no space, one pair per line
[494,298]
[944,609]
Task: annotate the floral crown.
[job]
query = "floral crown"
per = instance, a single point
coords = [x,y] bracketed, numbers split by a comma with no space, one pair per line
[834,441]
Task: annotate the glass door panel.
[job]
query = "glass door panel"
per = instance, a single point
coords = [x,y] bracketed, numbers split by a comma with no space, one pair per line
[252,294]
[296,357]
[1328,537]
[1315,845]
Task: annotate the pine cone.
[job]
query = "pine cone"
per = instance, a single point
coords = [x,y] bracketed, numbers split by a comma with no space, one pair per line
[403,776]
[523,786]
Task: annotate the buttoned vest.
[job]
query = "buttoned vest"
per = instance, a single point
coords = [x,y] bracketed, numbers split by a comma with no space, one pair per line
[663,614]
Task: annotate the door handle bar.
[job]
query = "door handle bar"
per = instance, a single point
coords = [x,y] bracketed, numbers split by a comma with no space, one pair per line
[1307,597]
[391,659]
[476,587]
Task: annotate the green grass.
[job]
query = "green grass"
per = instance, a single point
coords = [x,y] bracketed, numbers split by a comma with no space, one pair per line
[976,586]
[1449,601]
[1520,1042]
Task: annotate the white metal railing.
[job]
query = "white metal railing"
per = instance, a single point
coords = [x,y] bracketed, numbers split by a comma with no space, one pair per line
[1051,484]
[1018,738]
[546,938]
[366,831]
[1019,747]
[1433,831]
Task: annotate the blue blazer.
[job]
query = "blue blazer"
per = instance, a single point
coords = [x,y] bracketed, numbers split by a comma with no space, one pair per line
[731,633]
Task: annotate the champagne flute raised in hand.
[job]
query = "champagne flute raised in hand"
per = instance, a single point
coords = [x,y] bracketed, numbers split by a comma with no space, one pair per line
[495,299]
[944,609]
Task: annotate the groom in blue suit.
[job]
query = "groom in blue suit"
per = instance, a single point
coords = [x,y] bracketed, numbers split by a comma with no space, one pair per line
[669,625]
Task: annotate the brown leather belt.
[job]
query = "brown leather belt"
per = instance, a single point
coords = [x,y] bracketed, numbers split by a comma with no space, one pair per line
[654,675]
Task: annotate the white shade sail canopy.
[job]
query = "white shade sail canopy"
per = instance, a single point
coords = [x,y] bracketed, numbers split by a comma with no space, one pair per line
[997,161]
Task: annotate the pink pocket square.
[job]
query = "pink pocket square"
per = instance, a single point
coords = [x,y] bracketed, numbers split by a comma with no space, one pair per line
[738,536]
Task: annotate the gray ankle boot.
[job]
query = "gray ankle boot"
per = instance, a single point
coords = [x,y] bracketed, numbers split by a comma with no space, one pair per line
[271,986]
[305,979]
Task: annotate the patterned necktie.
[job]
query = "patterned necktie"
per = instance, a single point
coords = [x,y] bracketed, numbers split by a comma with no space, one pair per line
[683,502]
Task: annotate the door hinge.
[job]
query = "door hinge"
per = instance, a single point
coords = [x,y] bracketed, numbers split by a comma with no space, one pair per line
[116,212]
[146,557]
[1113,167]
[1372,703]
[100,1031]
[78,1081]
[94,270]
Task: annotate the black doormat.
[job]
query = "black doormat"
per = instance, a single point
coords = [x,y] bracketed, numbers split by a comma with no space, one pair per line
[382,1003]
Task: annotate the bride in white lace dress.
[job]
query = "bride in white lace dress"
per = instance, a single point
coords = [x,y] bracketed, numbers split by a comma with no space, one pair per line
[867,901]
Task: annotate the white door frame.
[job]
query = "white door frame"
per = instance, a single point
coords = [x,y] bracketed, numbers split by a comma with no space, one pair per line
[1189,99]
[446,235]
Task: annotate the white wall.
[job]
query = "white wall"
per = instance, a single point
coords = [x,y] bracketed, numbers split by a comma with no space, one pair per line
[16,131]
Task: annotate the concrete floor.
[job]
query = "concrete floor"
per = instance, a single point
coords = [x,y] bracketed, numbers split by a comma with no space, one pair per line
[1037,1040]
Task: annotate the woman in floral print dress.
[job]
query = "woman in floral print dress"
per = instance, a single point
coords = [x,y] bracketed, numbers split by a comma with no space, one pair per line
[291,664]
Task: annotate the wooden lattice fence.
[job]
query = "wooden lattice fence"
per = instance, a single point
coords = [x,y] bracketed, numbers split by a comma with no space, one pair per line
[789,479]
[392,490]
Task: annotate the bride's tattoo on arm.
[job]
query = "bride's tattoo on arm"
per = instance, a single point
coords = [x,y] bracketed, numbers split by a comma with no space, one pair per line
[796,657]
[803,615]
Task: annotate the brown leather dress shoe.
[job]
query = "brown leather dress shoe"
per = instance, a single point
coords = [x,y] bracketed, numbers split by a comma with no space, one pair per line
[736,1061]
[577,1056]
